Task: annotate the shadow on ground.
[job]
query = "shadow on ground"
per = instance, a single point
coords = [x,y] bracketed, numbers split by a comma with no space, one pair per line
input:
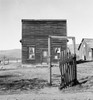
[82,61]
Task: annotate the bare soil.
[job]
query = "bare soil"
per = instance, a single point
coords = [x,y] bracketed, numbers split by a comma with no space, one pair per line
[17,83]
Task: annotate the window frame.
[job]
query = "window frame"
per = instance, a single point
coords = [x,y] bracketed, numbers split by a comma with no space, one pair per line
[29,53]
[56,54]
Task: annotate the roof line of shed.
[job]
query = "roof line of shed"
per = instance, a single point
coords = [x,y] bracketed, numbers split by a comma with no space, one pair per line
[82,41]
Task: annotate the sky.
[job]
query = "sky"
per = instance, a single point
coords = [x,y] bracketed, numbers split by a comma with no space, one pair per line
[78,13]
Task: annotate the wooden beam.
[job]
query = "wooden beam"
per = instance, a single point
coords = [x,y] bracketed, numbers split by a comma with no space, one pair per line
[61,37]
[49,61]
[75,69]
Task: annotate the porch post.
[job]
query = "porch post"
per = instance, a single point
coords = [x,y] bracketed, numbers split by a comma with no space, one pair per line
[49,61]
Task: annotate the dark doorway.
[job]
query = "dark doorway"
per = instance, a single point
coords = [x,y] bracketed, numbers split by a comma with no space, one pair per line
[84,57]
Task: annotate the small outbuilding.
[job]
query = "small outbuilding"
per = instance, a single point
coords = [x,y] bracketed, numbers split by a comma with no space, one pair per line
[34,40]
[86,49]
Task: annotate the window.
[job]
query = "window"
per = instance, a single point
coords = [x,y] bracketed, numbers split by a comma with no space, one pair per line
[84,45]
[57,51]
[31,52]
[90,54]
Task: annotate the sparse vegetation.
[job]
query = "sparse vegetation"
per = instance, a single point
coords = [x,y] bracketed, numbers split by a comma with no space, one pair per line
[34,81]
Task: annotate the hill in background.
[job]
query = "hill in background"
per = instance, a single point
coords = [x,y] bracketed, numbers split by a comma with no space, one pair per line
[16,53]
[10,54]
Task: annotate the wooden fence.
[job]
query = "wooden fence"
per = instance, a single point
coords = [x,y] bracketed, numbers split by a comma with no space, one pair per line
[8,61]
[68,70]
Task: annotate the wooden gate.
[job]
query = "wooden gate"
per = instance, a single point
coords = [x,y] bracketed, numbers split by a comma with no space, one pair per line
[67,64]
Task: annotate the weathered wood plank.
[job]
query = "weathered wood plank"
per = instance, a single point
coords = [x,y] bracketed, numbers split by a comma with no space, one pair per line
[36,32]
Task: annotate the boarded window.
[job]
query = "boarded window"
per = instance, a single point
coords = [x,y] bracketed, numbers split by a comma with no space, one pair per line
[31,52]
[45,53]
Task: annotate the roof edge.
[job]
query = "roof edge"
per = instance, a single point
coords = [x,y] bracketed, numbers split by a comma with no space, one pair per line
[23,20]
[80,43]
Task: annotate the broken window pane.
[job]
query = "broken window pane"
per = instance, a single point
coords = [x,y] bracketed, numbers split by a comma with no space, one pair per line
[31,53]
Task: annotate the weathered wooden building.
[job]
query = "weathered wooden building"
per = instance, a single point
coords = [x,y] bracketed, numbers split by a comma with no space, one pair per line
[34,40]
[86,49]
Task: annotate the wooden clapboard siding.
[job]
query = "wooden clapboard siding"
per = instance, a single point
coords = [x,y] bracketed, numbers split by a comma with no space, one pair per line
[47,28]
[36,32]
[85,49]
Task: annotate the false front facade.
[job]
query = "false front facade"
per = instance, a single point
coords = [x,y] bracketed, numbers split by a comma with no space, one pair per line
[34,40]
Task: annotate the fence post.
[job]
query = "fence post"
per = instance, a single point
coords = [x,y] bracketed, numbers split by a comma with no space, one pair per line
[75,59]
[49,61]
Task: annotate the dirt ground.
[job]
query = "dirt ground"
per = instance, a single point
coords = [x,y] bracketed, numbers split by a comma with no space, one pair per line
[17,83]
